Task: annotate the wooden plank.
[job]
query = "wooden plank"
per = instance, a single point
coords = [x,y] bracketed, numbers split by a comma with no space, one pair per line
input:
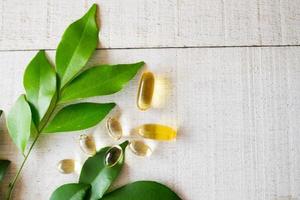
[35,24]
[237,110]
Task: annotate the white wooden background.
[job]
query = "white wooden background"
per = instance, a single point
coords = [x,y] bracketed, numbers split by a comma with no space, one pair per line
[229,74]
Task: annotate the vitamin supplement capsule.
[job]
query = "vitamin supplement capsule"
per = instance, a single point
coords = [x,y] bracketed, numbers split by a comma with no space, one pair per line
[156,132]
[140,148]
[113,156]
[114,128]
[87,144]
[66,166]
[145,92]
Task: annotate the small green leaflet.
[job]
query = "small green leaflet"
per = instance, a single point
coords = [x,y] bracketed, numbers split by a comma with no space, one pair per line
[3,163]
[77,45]
[142,190]
[96,173]
[100,80]
[40,84]
[19,123]
[3,167]
[78,117]
[71,191]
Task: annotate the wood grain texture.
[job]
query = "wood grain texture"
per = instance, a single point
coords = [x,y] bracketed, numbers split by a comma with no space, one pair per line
[237,110]
[35,24]
[240,123]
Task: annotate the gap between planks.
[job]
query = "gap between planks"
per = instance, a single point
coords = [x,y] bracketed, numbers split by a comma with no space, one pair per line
[174,47]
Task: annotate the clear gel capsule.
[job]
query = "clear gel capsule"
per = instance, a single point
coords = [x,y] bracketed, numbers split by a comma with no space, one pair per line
[66,166]
[87,144]
[140,148]
[114,128]
[113,156]
[156,132]
[145,92]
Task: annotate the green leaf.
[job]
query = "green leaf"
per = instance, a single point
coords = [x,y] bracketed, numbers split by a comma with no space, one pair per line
[100,176]
[71,191]
[100,80]
[3,167]
[78,117]
[146,190]
[77,45]
[40,85]
[19,123]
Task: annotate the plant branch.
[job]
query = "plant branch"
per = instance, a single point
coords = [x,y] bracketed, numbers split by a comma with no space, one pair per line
[42,125]
[12,184]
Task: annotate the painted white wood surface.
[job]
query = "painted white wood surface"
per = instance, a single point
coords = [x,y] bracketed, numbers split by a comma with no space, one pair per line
[36,24]
[237,110]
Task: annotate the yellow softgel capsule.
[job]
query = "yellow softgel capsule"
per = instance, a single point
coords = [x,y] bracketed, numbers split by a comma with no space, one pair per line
[87,144]
[156,132]
[113,156]
[66,166]
[145,92]
[114,128]
[140,148]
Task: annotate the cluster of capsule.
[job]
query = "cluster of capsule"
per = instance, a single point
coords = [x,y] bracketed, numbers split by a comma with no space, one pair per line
[113,156]
[115,131]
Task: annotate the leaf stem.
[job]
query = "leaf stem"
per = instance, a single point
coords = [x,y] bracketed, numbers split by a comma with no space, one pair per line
[42,125]
[12,184]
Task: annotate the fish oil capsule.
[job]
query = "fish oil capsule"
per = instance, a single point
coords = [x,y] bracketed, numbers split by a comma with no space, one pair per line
[114,128]
[87,144]
[113,156]
[156,132]
[140,148]
[145,92]
[66,166]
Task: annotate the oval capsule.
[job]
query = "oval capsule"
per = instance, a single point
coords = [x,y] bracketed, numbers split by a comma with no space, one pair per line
[156,132]
[87,144]
[114,128]
[113,156]
[66,166]
[145,92]
[140,148]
